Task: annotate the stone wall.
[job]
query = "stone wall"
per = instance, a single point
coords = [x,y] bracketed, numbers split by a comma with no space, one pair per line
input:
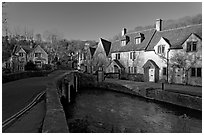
[184,100]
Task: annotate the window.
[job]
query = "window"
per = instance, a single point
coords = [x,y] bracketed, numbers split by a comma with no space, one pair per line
[21,54]
[138,40]
[135,70]
[191,46]
[132,55]
[129,69]
[84,56]
[161,49]
[117,56]
[37,54]
[164,71]
[123,42]
[196,72]
[193,72]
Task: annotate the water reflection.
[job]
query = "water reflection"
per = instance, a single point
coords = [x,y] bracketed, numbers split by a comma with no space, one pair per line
[99,111]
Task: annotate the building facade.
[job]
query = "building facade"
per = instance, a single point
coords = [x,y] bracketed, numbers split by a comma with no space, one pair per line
[23,54]
[173,55]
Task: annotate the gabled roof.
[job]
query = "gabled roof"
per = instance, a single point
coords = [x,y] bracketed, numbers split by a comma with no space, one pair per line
[176,37]
[119,64]
[26,48]
[150,63]
[92,50]
[130,46]
[106,45]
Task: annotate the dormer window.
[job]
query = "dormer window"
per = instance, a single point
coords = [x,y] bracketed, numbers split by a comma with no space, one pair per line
[123,42]
[138,40]
[139,37]
[191,46]
[161,49]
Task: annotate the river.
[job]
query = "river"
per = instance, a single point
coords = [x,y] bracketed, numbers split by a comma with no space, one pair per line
[105,111]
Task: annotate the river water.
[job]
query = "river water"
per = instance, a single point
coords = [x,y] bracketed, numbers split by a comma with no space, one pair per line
[105,111]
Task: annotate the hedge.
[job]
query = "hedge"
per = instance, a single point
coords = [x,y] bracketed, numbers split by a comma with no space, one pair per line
[22,75]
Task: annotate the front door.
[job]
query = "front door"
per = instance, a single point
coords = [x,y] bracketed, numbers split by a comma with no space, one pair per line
[178,75]
[151,75]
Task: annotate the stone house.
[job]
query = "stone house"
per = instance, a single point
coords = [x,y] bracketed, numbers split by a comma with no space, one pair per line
[95,56]
[151,52]
[22,54]
[85,58]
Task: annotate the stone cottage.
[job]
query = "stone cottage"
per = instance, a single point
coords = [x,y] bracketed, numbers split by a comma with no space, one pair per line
[23,53]
[156,53]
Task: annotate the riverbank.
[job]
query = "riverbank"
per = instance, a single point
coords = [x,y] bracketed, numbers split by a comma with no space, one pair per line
[172,95]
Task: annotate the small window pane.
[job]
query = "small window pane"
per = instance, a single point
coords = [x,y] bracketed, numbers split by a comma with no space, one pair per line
[194,46]
[164,70]
[188,46]
[133,55]
[129,69]
[130,55]
[135,70]
[198,72]
[192,72]
[163,49]
[158,49]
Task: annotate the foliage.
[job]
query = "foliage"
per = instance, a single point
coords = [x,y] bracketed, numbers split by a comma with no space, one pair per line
[16,76]
[46,67]
[30,66]
[184,61]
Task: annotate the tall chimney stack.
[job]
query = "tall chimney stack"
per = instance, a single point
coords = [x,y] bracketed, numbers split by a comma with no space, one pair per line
[159,24]
[124,31]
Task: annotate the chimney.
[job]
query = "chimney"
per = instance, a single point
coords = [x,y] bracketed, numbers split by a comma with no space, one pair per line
[159,24]
[124,31]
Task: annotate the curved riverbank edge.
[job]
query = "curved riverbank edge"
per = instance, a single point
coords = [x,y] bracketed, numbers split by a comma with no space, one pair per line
[180,99]
[55,119]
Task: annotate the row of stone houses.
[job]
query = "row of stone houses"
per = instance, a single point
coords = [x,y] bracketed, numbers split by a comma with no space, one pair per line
[174,55]
[24,53]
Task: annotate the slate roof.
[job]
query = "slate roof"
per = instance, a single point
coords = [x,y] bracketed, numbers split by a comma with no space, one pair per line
[25,47]
[130,46]
[92,50]
[149,63]
[176,37]
[106,45]
[118,63]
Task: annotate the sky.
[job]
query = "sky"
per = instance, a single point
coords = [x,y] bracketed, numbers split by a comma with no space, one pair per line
[91,21]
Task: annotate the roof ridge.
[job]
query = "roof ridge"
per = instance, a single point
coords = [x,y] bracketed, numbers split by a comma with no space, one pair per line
[136,32]
[141,31]
[180,27]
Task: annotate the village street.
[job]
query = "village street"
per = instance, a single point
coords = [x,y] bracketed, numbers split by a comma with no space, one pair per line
[18,94]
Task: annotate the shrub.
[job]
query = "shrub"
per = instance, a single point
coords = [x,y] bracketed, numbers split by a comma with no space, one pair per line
[22,75]
[30,66]
[136,77]
[46,67]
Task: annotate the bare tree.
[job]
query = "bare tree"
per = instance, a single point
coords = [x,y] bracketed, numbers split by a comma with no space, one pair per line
[38,37]
[4,19]
[184,61]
